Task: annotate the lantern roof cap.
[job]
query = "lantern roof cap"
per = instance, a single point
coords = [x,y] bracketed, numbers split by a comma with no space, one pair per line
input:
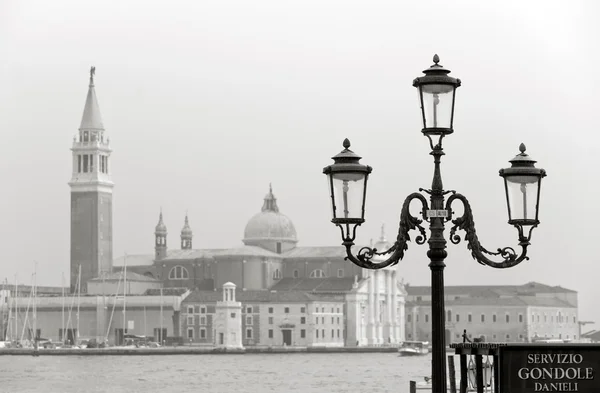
[523,164]
[347,161]
[436,74]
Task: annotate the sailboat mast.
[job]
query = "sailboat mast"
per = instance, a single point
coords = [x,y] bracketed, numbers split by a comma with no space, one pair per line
[62,326]
[78,301]
[35,302]
[162,339]
[15,297]
[124,297]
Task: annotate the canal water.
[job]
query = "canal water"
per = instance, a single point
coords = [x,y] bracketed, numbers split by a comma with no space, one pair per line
[249,373]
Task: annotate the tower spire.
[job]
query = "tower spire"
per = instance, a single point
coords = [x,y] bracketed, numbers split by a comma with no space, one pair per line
[91,119]
[186,234]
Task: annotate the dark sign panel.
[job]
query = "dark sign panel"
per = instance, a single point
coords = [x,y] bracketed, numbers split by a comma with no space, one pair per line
[528,368]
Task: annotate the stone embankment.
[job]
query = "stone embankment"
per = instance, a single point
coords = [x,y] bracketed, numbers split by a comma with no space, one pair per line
[183,350]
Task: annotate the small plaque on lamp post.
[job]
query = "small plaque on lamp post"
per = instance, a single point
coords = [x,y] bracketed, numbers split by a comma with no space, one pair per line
[437,213]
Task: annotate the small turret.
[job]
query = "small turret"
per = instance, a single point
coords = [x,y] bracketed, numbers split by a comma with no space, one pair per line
[160,234]
[186,235]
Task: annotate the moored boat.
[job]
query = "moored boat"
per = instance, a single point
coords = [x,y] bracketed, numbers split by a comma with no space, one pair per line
[414,348]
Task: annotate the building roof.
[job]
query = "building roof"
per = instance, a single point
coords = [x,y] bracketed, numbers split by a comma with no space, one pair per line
[118,275]
[134,260]
[516,301]
[490,290]
[254,296]
[331,284]
[318,252]
[246,251]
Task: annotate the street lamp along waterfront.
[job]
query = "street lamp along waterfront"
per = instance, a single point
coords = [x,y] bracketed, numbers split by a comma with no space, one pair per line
[347,180]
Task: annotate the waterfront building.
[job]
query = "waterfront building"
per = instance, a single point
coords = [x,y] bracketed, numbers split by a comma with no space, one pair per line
[498,313]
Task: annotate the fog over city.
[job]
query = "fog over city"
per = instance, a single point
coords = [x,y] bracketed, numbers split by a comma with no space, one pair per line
[208,102]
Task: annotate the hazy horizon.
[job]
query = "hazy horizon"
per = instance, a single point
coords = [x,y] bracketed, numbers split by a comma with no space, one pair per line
[206,103]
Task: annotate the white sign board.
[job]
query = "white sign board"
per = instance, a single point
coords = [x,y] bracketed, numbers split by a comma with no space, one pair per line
[437,213]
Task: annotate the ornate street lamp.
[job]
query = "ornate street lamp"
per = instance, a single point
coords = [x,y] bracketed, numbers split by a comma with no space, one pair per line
[347,180]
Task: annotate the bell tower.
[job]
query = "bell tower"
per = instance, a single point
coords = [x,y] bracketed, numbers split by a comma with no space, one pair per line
[160,236]
[186,235]
[91,196]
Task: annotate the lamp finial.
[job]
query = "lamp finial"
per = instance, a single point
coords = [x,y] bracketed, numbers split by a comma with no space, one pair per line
[522,148]
[436,58]
[346,143]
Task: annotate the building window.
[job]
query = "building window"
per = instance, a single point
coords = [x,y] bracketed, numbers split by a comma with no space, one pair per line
[323,320]
[494,336]
[317,273]
[270,320]
[277,274]
[520,317]
[178,273]
[457,318]
[409,318]
[91,163]
[508,336]
[296,273]
[270,333]
[332,333]
[85,163]
[332,320]
[538,318]
[426,317]
[482,317]
[302,320]
[470,318]
[338,320]
[507,318]
[573,319]
[340,273]
[419,298]
[232,315]
[449,317]
[316,320]
[302,310]
[270,310]
[248,310]
[278,248]
[302,333]
[202,333]
[249,320]
[494,318]
[202,320]
[338,333]
[190,333]
[287,310]
[190,320]
[417,317]
[79,163]
[317,333]
[202,310]
[190,309]
[249,333]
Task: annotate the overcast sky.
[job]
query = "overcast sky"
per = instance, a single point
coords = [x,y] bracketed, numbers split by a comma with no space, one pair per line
[206,102]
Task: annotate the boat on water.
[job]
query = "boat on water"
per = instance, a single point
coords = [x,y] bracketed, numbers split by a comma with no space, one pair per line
[414,348]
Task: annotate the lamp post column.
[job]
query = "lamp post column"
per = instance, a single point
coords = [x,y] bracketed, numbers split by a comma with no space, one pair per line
[437,253]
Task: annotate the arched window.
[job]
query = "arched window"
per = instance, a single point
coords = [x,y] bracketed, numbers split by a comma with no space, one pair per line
[178,273]
[340,273]
[277,274]
[317,273]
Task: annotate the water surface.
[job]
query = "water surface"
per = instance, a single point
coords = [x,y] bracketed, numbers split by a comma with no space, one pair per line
[248,373]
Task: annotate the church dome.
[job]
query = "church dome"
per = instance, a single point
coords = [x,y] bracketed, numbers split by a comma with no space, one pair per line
[270,224]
